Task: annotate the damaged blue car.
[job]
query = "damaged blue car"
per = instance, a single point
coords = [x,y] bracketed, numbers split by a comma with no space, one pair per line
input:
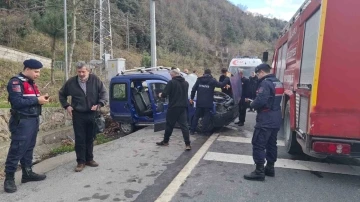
[134,100]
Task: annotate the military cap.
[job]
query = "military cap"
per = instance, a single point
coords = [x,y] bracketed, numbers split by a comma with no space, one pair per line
[262,66]
[32,64]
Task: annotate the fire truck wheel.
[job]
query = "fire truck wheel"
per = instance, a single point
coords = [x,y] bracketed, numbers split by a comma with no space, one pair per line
[291,144]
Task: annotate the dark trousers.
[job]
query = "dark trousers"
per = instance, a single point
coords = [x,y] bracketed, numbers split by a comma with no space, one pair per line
[179,115]
[23,140]
[264,145]
[205,113]
[84,129]
[242,111]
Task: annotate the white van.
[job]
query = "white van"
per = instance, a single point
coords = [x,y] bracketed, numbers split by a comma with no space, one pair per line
[247,64]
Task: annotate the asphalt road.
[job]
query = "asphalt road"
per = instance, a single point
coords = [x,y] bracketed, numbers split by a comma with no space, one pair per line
[131,168]
[219,174]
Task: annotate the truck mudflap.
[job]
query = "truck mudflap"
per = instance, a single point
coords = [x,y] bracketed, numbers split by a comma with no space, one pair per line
[225,117]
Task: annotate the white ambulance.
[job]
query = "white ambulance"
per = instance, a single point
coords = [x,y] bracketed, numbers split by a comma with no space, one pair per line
[247,64]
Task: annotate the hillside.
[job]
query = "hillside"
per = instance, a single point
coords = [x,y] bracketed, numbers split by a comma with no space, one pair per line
[190,34]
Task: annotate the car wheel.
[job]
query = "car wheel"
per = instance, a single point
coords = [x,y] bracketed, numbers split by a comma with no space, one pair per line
[127,128]
[291,144]
[200,125]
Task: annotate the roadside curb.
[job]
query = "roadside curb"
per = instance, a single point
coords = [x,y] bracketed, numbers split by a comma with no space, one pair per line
[52,163]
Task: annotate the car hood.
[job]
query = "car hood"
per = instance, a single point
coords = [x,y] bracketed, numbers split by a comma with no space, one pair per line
[191,79]
[234,80]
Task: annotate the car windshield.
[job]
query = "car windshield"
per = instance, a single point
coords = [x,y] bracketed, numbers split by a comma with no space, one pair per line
[246,70]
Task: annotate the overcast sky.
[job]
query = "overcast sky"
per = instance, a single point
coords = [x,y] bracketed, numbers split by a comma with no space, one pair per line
[283,9]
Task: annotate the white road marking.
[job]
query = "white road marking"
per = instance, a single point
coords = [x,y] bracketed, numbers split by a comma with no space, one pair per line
[286,163]
[232,127]
[174,186]
[244,140]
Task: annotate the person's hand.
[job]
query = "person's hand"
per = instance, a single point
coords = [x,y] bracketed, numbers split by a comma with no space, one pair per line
[69,110]
[227,86]
[47,96]
[191,101]
[43,99]
[160,94]
[248,100]
[94,107]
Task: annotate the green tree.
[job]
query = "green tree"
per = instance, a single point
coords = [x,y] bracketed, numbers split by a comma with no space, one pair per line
[146,60]
[51,22]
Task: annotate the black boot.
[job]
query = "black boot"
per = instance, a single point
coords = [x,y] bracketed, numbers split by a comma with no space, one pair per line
[9,183]
[257,175]
[270,170]
[28,175]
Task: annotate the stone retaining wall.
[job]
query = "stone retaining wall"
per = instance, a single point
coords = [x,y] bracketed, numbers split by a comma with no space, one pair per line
[55,125]
[52,119]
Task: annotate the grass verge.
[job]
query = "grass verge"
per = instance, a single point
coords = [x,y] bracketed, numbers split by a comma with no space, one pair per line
[68,146]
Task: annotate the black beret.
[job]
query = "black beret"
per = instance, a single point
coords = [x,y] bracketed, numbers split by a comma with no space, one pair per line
[262,66]
[32,64]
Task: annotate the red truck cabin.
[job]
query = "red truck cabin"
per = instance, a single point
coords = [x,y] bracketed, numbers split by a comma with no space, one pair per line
[317,59]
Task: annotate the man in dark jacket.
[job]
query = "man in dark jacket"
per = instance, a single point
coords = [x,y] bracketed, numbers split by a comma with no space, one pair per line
[177,91]
[253,87]
[205,87]
[225,90]
[88,93]
[268,121]
[244,94]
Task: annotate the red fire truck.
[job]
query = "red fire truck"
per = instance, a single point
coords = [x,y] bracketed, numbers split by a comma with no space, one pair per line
[316,57]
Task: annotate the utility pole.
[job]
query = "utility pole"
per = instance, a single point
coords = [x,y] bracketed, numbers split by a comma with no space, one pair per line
[95,32]
[153,33]
[65,36]
[101,28]
[127,32]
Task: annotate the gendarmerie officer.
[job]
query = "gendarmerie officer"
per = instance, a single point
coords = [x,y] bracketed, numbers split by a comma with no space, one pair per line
[26,101]
[268,121]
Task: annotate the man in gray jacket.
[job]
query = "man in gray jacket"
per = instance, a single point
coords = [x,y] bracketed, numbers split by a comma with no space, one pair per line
[88,93]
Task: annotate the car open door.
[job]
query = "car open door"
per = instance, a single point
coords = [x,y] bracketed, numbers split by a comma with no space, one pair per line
[236,87]
[159,105]
[120,101]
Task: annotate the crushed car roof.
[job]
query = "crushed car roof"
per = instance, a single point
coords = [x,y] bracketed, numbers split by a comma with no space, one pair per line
[190,78]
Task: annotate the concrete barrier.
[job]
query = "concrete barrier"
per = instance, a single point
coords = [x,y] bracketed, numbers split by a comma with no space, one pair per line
[19,56]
